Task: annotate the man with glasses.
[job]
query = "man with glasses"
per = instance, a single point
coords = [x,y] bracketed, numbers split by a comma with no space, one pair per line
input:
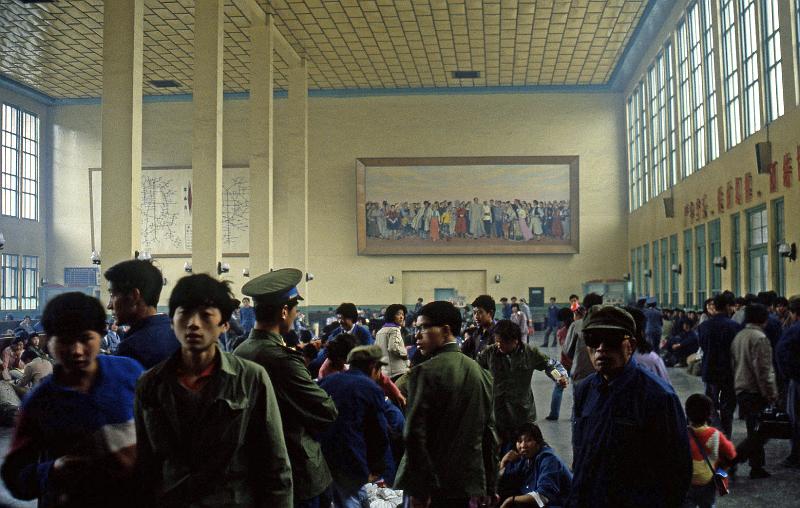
[630,445]
[448,419]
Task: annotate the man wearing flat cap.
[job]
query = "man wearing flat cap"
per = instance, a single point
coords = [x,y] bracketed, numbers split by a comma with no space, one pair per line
[629,438]
[306,409]
[356,445]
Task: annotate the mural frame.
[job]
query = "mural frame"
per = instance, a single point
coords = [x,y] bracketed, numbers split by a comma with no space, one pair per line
[571,246]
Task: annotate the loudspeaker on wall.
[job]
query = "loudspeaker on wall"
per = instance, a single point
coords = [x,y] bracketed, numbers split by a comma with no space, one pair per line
[669,207]
[763,156]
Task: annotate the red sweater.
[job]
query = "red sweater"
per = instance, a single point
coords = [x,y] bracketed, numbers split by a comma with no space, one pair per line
[717,446]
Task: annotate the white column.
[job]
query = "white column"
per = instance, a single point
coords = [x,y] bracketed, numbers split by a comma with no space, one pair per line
[121,130]
[261,145]
[207,136]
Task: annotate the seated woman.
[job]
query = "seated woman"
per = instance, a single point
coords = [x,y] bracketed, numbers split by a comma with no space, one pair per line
[12,359]
[533,475]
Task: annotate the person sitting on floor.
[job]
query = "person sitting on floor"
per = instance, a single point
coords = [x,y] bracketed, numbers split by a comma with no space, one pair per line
[533,475]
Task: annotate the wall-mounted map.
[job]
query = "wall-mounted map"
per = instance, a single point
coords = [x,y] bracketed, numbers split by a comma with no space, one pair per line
[167,203]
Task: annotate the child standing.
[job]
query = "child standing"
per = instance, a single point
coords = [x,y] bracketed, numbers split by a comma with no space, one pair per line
[719,450]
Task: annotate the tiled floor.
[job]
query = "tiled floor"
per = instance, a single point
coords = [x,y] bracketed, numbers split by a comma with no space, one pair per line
[780,490]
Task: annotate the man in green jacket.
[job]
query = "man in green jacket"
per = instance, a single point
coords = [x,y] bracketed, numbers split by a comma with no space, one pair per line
[208,427]
[451,445]
[306,409]
[511,363]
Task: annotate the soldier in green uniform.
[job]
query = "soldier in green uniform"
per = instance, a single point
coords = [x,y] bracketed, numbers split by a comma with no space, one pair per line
[512,363]
[451,446]
[306,409]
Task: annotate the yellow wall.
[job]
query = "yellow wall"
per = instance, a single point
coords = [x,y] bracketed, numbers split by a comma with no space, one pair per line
[343,129]
[649,223]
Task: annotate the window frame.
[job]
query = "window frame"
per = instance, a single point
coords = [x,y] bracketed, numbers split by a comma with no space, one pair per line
[759,251]
[779,265]
[773,67]
[9,269]
[736,253]
[731,72]
[701,262]
[29,283]
[715,250]
[674,277]
[749,43]
[688,255]
[20,140]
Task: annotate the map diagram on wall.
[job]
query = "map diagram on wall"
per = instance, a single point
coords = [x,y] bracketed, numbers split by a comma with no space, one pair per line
[235,210]
[166,209]
[160,213]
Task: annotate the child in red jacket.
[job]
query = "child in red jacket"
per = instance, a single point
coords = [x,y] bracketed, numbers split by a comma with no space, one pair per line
[719,450]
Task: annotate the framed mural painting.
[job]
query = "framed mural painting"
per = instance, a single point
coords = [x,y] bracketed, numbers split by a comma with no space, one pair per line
[468,205]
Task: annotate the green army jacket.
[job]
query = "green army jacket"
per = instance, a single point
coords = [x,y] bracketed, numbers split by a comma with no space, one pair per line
[451,445]
[232,454]
[306,409]
[513,395]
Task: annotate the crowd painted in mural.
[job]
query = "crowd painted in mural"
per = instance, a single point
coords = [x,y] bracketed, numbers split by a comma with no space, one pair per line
[517,220]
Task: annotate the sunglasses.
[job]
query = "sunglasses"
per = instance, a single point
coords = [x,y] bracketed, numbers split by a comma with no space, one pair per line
[610,338]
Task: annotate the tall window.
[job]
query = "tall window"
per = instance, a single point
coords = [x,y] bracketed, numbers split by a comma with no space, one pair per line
[671,127]
[749,45]
[757,255]
[632,274]
[656,270]
[773,73]
[714,251]
[631,111]
[673,259]
[639,277]
[664,298]
[736,255]
[30,282]
[685,100]
[644,171]
[700,261]
[646,281]
[653,84]
[687,268]
[711,82]
[730,74]
[698,97]
[9,266]
[780,237]
[19,163]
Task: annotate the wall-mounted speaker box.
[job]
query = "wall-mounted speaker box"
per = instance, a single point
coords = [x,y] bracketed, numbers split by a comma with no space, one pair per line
[669,207]
[763,156]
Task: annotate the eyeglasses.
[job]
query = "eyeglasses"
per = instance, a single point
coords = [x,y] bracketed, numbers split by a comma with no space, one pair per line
[610,338]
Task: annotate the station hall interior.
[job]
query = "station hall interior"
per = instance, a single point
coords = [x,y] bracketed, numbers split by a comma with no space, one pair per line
[234,137]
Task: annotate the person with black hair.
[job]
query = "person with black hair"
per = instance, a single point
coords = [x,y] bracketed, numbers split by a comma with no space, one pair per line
[451,444]
[134,287]
[565,317]
[347,316]
[36,369]
[679,346]
[574,345]
[77,425]
[715,337]
[390,340]
[512,363]
[551,322]
[645,357]
[479,336]
[532,474]
[754,379]
[719,450]
[219,406]
[356,445]
[338,349]
[12,359]
[306,409]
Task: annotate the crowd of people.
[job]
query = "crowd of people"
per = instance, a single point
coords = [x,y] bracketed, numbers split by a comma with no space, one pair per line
[516,220]
[223,403]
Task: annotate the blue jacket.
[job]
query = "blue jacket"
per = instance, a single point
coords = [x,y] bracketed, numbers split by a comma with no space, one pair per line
[150,341]
[359,332]
[630,446]
[247,318]
[356,444]
[552,316]
[787,353]
[55,421]
[545,474]
[715,336]
[653,322]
